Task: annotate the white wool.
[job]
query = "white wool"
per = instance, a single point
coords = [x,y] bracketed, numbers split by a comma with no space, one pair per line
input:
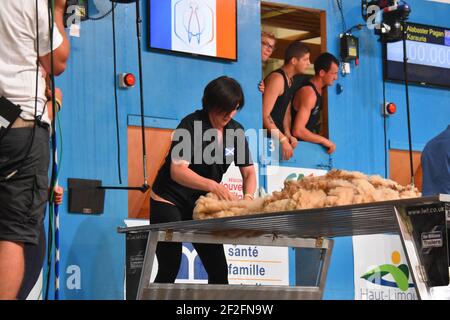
[336,188]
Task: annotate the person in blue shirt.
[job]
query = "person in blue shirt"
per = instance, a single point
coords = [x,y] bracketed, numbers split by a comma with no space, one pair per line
[436,179]
[436,165]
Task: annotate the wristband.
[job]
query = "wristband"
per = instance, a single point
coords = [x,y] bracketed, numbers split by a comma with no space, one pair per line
[282,139]
[249,195]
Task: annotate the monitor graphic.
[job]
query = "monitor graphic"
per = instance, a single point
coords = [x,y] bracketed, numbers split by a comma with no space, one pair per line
[199,27]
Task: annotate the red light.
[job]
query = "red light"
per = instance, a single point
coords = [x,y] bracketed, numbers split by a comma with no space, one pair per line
[391,108]
[129,80]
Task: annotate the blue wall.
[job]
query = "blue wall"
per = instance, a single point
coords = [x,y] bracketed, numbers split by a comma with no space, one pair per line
[173,87]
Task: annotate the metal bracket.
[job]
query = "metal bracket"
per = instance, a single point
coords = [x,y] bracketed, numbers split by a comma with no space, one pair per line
[168,235]
[319,242]
[421,273]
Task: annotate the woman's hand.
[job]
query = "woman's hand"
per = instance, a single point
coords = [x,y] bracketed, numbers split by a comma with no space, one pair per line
[221,191]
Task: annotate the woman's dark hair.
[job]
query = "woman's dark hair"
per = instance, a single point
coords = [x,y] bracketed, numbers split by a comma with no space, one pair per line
[223,94]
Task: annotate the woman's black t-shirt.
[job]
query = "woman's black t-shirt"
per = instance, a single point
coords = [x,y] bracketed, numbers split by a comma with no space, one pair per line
[195,141]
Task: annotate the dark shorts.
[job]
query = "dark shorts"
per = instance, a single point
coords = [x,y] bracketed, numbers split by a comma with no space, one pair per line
[23,197]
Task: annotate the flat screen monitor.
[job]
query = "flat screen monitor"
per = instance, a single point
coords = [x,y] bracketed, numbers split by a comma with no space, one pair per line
[428,52]
[198,27]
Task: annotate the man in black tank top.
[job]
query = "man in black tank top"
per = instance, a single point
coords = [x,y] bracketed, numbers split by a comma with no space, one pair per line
[307,103]
[278,96]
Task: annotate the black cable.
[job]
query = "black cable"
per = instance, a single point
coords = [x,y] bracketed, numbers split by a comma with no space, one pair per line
[105,15]
[54,175]
[116,104]
[341,10]
[385,130]
[141,88]
[384,121]
[405,70]
[37,84]
[50,234]
[358,26]
[145,186]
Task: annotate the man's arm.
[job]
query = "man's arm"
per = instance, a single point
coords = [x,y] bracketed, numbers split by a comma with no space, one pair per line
[60,54]
[304,101]
[274,87]
[287,122]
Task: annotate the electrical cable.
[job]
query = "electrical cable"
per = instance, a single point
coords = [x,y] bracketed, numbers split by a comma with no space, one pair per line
[116,104]
[385,131]
[105,15]
[385,126]
[341,10]
[405,70]
[51,212]
[358,26]
[60,145]
[54,175]
[50,216]
[53,230]
[145,185]
[55,169]
[36,118]
[141,92]
[344,28]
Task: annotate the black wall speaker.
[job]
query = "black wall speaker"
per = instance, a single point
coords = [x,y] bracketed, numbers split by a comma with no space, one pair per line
[85,196]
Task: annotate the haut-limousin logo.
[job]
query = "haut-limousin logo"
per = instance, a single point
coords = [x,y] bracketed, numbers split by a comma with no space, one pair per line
[399,273]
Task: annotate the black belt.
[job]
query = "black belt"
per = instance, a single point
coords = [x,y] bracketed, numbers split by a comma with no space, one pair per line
[21,123]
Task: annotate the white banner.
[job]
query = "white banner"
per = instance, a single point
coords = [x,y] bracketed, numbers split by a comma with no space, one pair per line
[381,270]
[232,180]
[276,176]
[253,265]
[257,265]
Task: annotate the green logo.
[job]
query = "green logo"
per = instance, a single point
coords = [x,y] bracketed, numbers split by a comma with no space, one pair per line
[400,274]
[294,176]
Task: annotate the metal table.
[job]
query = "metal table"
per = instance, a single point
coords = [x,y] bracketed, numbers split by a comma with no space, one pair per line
[310,228]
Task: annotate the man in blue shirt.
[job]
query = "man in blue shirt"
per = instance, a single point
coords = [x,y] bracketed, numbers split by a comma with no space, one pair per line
[436,164]
[436,179]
